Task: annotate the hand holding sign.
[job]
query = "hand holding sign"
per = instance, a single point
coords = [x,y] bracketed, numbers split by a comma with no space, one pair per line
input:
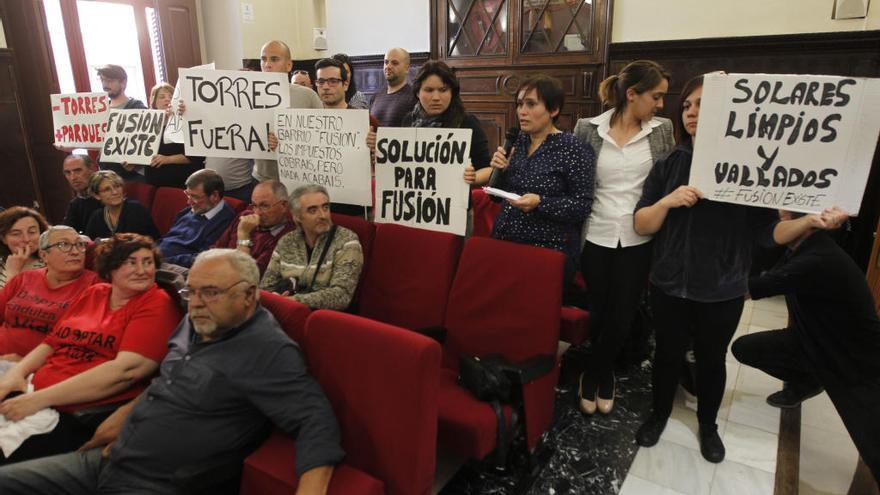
[686,196]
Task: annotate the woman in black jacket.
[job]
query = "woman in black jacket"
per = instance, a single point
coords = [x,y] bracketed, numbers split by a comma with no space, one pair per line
[699,276]
[439,105]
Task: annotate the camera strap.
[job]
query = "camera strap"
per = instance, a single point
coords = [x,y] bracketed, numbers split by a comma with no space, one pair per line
[327,242]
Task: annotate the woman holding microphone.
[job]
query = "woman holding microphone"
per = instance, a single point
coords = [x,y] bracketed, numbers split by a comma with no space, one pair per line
[551,171]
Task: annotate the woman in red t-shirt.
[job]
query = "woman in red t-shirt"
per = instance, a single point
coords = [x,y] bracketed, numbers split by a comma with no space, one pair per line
[34,300]
[100,352]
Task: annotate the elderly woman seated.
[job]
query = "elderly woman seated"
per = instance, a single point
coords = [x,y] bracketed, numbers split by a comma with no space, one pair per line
[20,230]
[118,214]
[33,300]
[99,354]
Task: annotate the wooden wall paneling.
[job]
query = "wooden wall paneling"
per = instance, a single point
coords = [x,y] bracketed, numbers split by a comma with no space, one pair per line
[494,119]
[34,73]
[180,35]
[854,54]
[19,186]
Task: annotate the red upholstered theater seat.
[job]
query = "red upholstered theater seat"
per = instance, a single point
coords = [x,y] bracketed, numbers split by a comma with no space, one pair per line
[167,203]
[290,314]
[505,300]
[141,192]
[365,231]
[485,210]
[411,272]
[382,382]
[237,205]
[574,325]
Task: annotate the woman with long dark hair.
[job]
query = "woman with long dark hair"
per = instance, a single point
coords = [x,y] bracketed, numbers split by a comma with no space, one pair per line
[699,276]
[439,105]
[627,140]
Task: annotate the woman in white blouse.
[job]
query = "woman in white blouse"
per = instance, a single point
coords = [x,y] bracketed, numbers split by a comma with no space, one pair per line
[626,139]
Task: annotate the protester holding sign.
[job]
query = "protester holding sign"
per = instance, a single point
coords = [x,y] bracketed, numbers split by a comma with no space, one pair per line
[118,213]
[114,80]
[170,166]
[101,352]
[552,171]
[439,105]
[699,273]
[627,139]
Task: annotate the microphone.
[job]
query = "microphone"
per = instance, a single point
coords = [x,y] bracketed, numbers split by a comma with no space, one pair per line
[509,139]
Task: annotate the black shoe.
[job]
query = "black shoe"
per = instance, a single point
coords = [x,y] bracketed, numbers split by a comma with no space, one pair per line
[791,396]
[650,431]
[710,444]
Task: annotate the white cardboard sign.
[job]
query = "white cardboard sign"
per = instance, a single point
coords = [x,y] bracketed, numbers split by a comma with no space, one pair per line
[419,178]
[80,119]
[133,136]
[174,129]
[326,147]
[794,142]
[230,113]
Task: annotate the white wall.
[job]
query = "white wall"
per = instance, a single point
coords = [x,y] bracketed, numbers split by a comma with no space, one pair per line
[359,27]
[221,27]
[649,20]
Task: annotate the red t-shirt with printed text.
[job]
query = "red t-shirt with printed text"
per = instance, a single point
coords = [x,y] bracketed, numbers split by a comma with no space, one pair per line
[31,308]
[90,333]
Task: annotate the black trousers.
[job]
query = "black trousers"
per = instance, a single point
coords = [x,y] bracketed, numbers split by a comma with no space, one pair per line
[779,353]
[615,279]
[710,326]
[68,435]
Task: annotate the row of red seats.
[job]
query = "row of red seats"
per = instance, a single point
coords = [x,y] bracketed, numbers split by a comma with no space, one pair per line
[500,298]
[165,202]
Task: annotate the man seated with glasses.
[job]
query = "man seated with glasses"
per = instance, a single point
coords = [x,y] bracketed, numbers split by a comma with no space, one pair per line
[256,230]
[200,224]
[318,264]
[34,299]
[230,373]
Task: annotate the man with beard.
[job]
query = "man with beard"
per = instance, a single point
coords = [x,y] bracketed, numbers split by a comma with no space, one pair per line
[319,263]
[114,80]
[390,107]
[230,373]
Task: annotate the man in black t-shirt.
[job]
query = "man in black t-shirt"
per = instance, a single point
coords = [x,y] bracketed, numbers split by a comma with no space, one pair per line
[78,170]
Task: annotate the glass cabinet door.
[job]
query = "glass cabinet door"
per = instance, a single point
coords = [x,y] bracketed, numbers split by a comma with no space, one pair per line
[556,26]
[476,28]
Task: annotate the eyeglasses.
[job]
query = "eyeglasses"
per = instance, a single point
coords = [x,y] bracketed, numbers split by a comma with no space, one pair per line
[300,72]
[264,207]
[331,81]
[207,294]
[66,246]
[194,197]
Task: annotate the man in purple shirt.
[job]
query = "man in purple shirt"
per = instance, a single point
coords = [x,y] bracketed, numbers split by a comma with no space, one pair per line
[390,107]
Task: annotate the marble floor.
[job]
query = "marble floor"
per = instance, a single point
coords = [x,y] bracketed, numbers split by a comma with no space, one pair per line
[748,426]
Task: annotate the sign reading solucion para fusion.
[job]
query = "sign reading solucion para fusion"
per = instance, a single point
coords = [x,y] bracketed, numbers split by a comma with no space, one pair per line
[230,113]
[80,119]
[794,142]
[419,177]
[326,147]
[133,136]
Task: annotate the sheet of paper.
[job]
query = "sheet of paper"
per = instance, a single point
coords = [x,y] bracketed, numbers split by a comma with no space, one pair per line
[501,193]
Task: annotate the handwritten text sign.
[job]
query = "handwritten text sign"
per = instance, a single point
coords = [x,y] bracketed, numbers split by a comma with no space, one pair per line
[80,119]
[326,147]
[793,142]
[230,113]
[175,128]
[133,136]
[419,177]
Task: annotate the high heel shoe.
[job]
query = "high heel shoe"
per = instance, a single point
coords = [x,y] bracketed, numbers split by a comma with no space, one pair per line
[586,405]
[603,404]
